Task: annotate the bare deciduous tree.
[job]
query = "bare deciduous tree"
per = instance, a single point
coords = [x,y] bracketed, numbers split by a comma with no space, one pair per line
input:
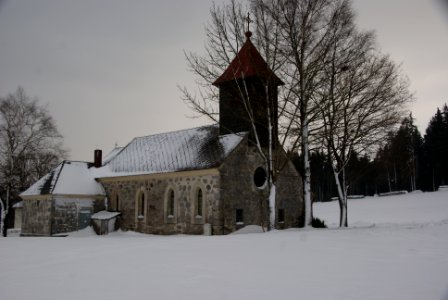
[314,47]
[304,41]
[364,96]
[30,145]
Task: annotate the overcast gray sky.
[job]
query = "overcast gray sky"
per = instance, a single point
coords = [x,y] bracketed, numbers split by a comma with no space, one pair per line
[108,69]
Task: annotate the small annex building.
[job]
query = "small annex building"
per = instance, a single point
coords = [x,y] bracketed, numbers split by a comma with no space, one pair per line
[62,201]
[208,179]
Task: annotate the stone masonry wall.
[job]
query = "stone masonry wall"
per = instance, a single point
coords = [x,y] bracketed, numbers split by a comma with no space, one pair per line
[36,217]
[67,213]
[238,191]
[156,190]
[289,197]
[56,214]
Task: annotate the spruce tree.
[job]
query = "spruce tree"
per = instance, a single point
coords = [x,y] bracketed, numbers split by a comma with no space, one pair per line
[436,149]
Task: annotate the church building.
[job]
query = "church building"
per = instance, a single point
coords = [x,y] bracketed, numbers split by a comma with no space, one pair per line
[206,180]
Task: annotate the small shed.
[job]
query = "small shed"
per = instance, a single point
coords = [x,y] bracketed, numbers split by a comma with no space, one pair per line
[104,221]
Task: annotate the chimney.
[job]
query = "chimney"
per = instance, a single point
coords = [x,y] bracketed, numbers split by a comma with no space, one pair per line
[98,158]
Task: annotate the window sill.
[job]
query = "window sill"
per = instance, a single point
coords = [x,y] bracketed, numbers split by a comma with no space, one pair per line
[198,220]
[170,219]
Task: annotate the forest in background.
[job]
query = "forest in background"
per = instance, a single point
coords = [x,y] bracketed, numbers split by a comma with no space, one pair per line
[406,161]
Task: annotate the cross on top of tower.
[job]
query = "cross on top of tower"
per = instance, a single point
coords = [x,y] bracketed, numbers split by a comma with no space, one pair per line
[248,20]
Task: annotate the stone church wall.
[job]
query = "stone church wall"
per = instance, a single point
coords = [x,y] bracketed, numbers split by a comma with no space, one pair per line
[239,191]
[290,197]
[156,192]
[229,193]
[243,200]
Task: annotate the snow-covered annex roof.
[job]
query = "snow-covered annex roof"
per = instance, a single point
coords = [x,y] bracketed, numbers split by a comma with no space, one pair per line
[184,150]
[68,178]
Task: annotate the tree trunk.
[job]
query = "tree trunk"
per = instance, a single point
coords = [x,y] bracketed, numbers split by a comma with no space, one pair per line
[307,179]
[270,166]
[5,210]
[395,177]
[272,207]
[343,213]
[388,180]
[342,201]
[433,181]
[2,217]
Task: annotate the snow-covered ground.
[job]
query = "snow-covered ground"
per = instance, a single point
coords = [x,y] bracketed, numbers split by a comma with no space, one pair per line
[396,248]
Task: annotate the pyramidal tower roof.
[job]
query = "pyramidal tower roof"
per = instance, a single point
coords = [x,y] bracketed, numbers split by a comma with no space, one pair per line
[248,63]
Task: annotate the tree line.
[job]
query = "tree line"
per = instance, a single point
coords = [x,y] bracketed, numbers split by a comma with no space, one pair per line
[411,162]
[406,161]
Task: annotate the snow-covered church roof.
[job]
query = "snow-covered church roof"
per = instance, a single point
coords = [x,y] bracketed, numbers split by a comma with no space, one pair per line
[190,149]
[68,178]
[184,150]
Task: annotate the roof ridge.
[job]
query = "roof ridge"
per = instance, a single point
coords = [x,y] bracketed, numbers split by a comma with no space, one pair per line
[174,131]
[240,134]
[59,173]
[50,191]
[80,161]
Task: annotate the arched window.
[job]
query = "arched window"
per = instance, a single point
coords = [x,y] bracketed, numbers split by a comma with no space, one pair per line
[115,203]
[170,208]
[199,203]
[141,205]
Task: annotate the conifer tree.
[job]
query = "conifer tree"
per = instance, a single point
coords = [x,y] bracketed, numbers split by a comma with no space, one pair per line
[436,149]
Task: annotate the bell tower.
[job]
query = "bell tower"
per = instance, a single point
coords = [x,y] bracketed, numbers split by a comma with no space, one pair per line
[248,94]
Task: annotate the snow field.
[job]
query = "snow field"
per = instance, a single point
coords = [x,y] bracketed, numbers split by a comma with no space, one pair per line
[413,209]
[397,248]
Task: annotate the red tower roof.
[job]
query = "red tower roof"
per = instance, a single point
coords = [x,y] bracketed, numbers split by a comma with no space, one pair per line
[248,63]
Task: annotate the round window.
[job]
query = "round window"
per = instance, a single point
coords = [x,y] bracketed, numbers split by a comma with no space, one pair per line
[260,177]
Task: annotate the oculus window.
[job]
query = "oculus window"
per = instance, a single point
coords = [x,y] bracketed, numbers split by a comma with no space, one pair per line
[260,177]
